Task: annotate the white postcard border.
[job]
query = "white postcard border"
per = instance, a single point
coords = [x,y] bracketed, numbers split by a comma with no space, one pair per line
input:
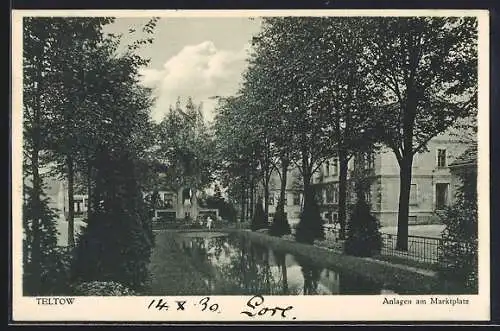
[305,308]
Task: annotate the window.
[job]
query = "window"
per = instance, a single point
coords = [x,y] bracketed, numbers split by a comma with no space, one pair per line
[329,194]
[271,200]
[286,200]
[78,203]
[296,198]
[327,168]
[413,194]
[368,196]
[412,220]
[335,165]
[441,158]
[335,218]
[271,215]
[441,195]
[167,201]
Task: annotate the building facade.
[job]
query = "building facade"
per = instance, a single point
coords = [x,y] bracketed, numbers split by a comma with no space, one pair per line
[181,204]
[293,196]
[431,185]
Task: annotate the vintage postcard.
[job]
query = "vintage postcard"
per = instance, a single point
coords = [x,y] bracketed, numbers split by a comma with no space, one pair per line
[250,166]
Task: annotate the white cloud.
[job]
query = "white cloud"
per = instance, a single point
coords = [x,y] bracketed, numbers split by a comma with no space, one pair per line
[200,71]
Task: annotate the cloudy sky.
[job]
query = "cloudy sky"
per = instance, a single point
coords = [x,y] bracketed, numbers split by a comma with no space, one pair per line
[198,57]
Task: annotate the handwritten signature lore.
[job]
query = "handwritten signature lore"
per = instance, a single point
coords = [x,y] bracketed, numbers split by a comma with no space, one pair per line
[258,309]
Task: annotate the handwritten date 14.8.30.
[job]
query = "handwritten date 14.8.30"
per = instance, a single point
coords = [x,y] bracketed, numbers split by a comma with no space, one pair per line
[257,309]
[204,305]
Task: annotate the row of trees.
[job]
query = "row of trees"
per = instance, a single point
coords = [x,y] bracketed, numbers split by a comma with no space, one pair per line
[86,117]
[322,87]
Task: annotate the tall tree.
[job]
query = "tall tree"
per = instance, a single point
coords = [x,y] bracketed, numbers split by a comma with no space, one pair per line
[344,92]
[428,69]
[186,146]
[235,145]
[118,153]
[291,53]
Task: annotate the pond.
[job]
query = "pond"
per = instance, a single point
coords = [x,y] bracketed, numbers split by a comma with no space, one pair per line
[233,265]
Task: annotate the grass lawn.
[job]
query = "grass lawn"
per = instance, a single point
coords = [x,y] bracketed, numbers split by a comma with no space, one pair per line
[430,230]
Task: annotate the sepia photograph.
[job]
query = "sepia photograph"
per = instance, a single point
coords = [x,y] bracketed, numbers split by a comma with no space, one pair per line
[250,155]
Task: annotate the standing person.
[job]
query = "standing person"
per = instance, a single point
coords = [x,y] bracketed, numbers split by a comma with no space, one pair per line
[209,223]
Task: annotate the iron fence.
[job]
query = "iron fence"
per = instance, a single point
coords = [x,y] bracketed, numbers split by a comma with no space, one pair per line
[422,249]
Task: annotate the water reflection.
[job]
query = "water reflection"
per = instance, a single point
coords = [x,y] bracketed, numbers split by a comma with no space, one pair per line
[233,265]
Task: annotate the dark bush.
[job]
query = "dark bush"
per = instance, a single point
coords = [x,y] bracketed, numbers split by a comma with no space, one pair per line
[310,226]
[363,235]
[226,210]
[116,244]
[45,273]
[280,225]
[259,220]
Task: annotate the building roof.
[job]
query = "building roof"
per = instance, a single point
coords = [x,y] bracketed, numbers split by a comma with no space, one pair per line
[469,157]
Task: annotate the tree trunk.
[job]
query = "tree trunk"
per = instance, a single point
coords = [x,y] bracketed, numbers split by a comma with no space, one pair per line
[306,176]
[71,204]
[243,203]
[266,201]
[307,187]
[36,248]
[35,265]
[284,171]
[285,277]
[405,174]
[89,189]
[251,203]
[342,198]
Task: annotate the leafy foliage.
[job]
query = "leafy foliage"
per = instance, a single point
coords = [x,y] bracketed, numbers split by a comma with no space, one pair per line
[185,145]
[427,69]
[459,248]
[54,260]
[116,244]
[102,289]
[363,235]
[80,94]
[226,210]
